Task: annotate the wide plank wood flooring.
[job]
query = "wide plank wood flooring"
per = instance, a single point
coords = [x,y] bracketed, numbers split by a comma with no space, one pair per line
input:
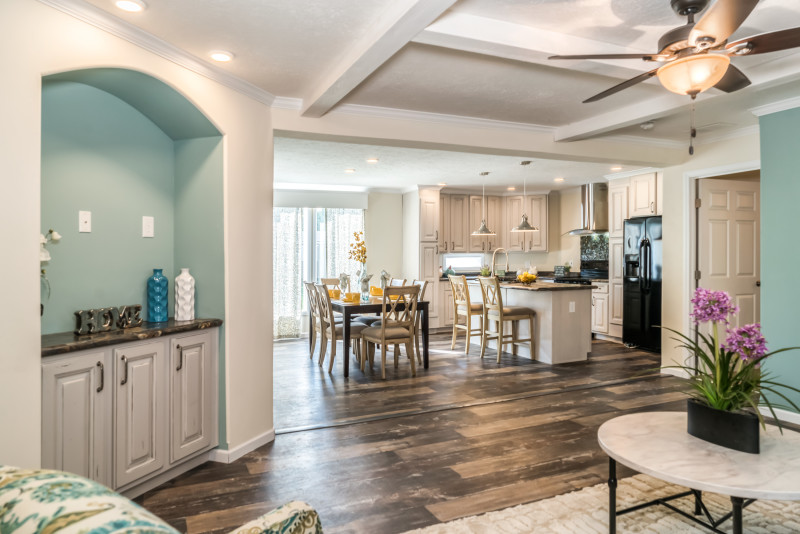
[462,438]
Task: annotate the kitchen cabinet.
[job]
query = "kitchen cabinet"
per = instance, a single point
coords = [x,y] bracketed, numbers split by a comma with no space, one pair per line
[600,308]
[617,207]
[536,209]
[429,215]
[191,395]
[492,209]
[76,414]
[458,234]
[131,411]
[642,195]
[140,400]
[446,317]
[615,274]
[444,223]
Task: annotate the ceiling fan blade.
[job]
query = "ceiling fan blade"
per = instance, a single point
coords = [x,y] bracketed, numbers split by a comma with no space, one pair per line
[646,57]
[733,80]
[767,42]
[624,85]
[718,23]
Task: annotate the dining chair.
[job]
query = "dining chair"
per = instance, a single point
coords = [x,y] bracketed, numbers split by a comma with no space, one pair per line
[398,321]
[397,282]
[314,322]
[495,312]
[464,307]
[423,286]
[331,329]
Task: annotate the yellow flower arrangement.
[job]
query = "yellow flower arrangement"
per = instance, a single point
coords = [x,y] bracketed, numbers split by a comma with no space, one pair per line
[358,249]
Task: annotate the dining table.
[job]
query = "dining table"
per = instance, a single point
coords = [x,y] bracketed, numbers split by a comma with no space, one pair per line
[374,305]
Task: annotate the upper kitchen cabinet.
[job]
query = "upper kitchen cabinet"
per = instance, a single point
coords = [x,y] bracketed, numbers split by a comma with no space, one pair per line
[495,220]
[429,215]
[459,224]
[618,193]
[490,208]
[642,195]
[536,209]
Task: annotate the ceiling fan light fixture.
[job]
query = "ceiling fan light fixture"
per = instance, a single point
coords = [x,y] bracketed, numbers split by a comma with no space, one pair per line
[693,74]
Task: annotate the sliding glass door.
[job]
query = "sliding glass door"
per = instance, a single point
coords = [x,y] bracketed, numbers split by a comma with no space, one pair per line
[308,244]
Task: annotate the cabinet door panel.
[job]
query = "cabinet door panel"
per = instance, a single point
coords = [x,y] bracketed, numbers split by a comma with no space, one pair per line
[76,414]
[643,195]
[191,395]
[496,222]
[429,259]
[476,214]
[444,223]
[615,310]
[618,206]
[459,223]
[429,215]
[140,405]
[515,241]
[537,217]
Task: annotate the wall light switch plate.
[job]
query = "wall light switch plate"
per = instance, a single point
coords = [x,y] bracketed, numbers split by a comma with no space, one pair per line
[84,221]
[148,226]
[572,306]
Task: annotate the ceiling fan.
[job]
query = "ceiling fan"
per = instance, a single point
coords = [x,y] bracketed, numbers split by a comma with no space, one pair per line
[695,56]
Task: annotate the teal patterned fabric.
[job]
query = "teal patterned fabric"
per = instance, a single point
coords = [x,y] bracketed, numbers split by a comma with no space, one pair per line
[295,517]
[42,501]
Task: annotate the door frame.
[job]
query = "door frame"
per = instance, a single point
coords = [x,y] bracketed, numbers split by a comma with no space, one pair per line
[690,185]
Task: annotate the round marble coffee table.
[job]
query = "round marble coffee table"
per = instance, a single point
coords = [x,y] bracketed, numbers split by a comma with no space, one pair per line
[657,444]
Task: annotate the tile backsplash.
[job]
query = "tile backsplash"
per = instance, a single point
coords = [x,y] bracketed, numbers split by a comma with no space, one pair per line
[594,247]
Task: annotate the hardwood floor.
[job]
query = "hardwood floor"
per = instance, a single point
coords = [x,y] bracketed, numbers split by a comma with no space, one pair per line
[462,438]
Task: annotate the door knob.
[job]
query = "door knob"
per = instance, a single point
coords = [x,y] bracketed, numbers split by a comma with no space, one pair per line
[758,283]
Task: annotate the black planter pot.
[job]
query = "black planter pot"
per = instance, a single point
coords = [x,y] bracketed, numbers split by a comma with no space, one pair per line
[734,430]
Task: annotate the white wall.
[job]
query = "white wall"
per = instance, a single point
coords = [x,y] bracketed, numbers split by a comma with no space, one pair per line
[383,232]
[47,41]
[678,192]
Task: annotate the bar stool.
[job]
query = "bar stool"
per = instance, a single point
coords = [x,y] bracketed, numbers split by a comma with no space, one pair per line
[495,312]
[462,306]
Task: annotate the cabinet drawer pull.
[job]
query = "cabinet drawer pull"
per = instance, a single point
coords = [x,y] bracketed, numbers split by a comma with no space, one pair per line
[453,245]
[437,235]
[652,207]
[437,249]
[102,376]
[445,245]
[180,357]
[483,245]
[125,372]
[592,301]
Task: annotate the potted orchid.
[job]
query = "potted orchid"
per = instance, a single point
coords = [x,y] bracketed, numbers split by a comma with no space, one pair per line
[728,380]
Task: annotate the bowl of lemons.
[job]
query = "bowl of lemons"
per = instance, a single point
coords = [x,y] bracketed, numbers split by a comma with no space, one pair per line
[526,278]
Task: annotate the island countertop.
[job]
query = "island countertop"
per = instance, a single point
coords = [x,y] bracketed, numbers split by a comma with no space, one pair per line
[538,286]
[63,342]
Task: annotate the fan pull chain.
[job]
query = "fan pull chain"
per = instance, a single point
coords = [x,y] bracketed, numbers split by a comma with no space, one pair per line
[692,130]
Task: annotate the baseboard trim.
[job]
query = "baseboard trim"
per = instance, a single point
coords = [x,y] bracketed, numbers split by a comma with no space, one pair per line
[227,456]
[137,489]
[784,415]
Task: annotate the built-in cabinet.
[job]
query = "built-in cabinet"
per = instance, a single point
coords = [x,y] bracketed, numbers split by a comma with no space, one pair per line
[429,215]
[600,308]
[535,207]
[643,196]
[492,209]
[455,217]
[129,412]
[446,316]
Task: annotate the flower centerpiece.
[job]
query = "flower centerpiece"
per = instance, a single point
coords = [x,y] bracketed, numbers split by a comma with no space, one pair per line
[728,378]
[358,252]
[44,256]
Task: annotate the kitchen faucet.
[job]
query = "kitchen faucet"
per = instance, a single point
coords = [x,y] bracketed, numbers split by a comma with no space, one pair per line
[495,254]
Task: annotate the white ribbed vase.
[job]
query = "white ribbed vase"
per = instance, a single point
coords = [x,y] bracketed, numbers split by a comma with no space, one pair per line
[184,296]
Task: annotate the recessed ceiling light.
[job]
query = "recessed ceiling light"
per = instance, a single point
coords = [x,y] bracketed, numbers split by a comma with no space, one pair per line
[441,184]
[616,168]
[372,160]
[350,171]
[512,188]
[221,55]
[132,6]
[559,179]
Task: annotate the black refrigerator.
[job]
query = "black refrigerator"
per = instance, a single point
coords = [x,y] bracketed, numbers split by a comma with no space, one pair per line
[641,286]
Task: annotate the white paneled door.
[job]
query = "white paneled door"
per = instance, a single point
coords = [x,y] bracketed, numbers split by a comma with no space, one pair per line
[728,242]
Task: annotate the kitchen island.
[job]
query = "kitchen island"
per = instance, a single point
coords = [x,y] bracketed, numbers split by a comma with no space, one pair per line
[563,326]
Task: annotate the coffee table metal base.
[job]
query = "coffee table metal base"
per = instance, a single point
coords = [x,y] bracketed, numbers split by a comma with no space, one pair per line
[738,504]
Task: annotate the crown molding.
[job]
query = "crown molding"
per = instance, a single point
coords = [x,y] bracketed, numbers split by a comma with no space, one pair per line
[287,102]
[724,136]
[637,140]
[630,174]
[440,118]
[98,18]
[775,107]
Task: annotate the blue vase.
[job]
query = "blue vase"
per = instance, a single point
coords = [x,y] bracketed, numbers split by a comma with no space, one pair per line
[157,297]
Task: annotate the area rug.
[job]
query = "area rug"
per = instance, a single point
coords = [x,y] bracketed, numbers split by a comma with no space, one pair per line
[586,512]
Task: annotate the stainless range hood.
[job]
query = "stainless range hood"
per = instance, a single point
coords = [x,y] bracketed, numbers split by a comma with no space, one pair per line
[594,210]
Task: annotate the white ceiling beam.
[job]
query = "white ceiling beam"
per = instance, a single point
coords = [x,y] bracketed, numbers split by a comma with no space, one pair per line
[780,70]
[396,27]
[490,37]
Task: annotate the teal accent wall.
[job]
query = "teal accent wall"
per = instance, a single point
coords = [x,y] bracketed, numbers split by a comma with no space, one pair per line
[780,190]
[101,155]
[199,238]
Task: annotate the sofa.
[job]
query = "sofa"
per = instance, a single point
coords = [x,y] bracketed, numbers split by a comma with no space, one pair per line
[40,500]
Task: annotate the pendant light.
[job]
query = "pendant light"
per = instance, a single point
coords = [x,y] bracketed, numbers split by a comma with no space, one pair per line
[483,230]
[524,225]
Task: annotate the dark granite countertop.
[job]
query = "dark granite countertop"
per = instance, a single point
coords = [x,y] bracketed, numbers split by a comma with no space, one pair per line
[64,342]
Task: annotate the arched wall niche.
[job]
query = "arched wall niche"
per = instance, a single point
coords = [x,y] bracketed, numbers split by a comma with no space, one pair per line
[122,145]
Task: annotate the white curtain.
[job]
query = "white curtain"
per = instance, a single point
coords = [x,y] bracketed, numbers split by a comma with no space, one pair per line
[308,244]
